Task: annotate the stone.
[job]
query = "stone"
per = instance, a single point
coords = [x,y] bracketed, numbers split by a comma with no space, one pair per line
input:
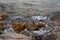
[13,36]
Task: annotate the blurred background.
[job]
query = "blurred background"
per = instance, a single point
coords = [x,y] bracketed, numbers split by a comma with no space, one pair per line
[29,7]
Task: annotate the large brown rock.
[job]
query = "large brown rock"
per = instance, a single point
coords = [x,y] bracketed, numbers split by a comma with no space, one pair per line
[13,36]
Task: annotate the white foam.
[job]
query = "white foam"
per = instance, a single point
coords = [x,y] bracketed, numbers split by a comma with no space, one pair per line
[41,31]
[38,17]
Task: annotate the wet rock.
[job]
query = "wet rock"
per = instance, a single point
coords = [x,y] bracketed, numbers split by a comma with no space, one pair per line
[2,26]
[18,27]
[50,36]
[4,17]
[38,37]
[25,32]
